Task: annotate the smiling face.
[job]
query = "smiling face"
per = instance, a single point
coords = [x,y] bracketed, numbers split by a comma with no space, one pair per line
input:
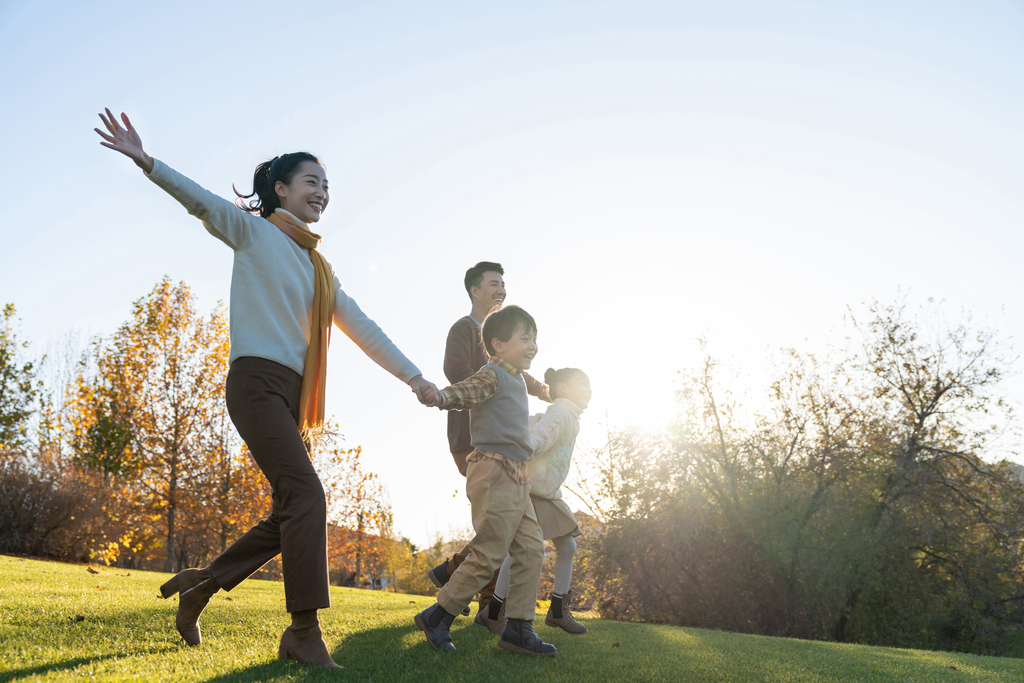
[305,195]
[576,389]
[519,350]
[490,294]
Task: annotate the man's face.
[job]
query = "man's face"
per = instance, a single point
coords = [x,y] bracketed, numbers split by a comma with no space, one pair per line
[519,350]
[491,290]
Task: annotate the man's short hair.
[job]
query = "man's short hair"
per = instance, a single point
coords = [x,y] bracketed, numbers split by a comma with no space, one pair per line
[475,275]
[503,323]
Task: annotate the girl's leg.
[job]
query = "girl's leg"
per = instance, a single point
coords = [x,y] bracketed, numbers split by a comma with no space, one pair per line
[558,613]
[565,549]
[492,616]
[501,587]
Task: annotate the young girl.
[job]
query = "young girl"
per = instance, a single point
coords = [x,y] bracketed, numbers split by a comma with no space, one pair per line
[554,436]
[284,297]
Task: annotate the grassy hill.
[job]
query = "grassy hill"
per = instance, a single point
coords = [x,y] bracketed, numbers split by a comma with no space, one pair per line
[63,622]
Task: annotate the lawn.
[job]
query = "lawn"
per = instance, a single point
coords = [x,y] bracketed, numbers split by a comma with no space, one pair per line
[64,622]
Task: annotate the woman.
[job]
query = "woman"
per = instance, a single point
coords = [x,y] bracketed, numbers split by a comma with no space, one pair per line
[284,297]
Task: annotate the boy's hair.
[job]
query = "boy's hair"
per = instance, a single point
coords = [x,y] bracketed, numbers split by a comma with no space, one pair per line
[503,323]
[475,275]
[552,377]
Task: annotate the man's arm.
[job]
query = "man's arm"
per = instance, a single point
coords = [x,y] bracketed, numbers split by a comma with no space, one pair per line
[463,339]
[534,387]
[476,388]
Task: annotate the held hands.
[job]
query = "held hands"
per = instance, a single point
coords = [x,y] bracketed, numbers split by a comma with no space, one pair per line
[426,392]
[124,140]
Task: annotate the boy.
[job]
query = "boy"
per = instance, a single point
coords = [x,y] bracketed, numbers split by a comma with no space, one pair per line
[498,488]
[464,354]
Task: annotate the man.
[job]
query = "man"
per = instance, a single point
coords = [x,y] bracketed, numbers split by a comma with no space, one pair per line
[464,354]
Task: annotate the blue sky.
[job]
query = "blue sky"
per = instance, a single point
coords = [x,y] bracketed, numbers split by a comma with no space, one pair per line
[647,173]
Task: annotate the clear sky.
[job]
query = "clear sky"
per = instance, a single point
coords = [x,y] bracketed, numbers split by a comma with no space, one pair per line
[647,172]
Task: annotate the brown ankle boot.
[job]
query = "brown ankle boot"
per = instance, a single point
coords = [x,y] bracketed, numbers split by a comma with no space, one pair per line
[194,588]
[303,641]
[559,616]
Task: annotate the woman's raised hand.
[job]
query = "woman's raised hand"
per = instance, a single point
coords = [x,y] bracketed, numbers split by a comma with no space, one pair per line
[124,140]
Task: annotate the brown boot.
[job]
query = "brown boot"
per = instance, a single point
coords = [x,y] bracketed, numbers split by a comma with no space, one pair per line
[559,615]
[492,617]
[194,588]
[303,641]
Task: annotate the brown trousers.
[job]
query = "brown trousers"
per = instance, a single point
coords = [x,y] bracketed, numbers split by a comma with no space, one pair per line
[487,592]
[263,402]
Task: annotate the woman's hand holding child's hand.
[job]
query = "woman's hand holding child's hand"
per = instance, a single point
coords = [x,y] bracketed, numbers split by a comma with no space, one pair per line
[426,392]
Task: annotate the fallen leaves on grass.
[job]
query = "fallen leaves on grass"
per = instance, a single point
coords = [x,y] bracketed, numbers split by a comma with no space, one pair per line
[91,570]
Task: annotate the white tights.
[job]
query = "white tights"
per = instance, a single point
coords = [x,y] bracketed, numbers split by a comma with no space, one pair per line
[565,550]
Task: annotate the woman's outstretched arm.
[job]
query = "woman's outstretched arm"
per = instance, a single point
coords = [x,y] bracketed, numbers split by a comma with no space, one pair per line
[124,140]
[222,218]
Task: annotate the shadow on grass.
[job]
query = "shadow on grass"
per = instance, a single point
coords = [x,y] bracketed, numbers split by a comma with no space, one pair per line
[400,653]
[67,665]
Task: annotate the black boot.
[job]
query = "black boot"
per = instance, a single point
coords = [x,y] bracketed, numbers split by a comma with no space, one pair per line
[439,575]
[518,636]
[436,625]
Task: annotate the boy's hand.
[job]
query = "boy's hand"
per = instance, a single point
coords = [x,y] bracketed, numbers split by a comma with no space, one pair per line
[425,391]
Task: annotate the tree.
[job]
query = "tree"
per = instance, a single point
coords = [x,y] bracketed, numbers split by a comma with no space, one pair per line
[855,503]
[358,508]
[148,410]
[18,386]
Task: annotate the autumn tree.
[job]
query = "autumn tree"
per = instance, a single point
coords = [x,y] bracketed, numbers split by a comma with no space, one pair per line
[18,386]
[148,410]
[357,509]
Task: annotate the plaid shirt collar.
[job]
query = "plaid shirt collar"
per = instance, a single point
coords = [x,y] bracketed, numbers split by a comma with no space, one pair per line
[504,365]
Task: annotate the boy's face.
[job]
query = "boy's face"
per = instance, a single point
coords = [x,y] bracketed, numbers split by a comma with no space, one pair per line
[519,350]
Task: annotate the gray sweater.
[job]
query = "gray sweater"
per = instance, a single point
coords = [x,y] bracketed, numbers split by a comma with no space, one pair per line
[501,423]
[272,285]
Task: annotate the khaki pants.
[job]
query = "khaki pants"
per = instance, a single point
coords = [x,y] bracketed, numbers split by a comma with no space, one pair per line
[505,523]
[487,592]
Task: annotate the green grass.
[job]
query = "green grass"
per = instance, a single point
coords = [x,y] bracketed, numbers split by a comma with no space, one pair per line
[128,634]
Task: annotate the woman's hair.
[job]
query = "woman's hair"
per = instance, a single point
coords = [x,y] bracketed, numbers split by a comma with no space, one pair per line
[263,199]
[552,377]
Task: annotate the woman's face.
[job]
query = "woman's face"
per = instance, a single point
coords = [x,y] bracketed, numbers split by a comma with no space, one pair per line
[305,195]
[576,389]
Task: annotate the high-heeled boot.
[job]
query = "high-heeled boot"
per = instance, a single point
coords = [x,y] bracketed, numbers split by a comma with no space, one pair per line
[303,641]
[194,587]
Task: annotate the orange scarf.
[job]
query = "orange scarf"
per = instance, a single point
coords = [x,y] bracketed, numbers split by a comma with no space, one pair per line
[314,375]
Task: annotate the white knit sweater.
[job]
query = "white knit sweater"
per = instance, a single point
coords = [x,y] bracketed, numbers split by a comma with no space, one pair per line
[272,285]
[554,437]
